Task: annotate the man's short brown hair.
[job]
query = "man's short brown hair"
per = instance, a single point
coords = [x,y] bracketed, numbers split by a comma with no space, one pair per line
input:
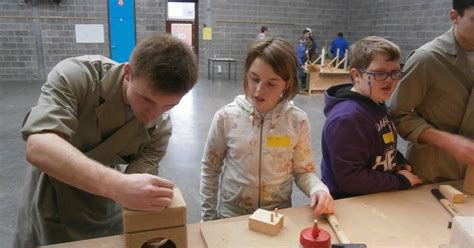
[168,64]
[280,55]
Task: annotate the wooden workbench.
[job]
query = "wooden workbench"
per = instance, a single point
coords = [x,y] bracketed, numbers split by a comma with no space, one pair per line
[319,81]
[410,218]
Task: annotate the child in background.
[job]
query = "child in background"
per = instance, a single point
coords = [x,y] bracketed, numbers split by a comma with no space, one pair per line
[260,142]
[359,140]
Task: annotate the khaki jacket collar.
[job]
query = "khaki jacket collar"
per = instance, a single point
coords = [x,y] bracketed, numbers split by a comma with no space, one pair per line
[447,44]
[112,121]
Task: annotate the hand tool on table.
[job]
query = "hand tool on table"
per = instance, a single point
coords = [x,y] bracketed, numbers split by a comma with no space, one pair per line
[344,240]
[446,204]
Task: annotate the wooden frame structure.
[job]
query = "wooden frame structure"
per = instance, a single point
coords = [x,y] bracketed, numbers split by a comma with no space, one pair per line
[323,74]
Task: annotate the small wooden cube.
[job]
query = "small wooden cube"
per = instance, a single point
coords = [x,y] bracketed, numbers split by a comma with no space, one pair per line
[262,221]
[452,194]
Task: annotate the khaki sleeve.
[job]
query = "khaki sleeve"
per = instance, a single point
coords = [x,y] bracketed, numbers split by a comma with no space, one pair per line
[57,107]
[148,159]
[409,95]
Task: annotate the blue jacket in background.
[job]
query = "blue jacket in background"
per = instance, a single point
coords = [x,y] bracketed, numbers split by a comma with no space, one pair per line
[340,43]
[301,57]
[359,143]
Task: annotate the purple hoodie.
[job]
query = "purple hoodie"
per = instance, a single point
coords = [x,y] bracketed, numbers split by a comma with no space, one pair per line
[359,144]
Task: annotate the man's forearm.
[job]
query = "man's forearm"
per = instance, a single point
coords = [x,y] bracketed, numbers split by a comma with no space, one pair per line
[440,139]
[59,159]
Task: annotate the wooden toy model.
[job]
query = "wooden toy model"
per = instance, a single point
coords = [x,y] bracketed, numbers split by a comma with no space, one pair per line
[266,222]
[323,73]
[144,227]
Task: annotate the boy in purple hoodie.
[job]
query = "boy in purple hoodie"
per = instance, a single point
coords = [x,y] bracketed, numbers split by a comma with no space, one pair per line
[359,140]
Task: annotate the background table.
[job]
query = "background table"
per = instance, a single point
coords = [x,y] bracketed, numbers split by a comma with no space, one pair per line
[409,218]
[225,60]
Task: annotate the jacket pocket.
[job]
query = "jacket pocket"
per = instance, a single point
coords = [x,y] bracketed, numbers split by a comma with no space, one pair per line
[236,202]
[229,195]
[283,193]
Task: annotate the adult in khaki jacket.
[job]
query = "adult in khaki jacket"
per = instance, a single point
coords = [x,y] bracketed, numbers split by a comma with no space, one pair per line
[94,120]
[434,103]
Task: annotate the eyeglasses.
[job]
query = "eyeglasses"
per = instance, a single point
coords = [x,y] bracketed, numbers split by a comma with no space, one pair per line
[381,76]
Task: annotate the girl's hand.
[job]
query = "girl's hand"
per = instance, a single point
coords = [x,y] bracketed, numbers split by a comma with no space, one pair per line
[321,202]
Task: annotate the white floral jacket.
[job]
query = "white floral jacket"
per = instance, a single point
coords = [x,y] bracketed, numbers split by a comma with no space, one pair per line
[250,160]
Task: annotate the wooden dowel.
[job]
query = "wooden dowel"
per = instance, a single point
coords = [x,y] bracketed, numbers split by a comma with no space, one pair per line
[341,235]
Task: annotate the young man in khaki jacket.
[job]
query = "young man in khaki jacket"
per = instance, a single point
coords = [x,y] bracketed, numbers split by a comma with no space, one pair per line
[434,102]
[95,139]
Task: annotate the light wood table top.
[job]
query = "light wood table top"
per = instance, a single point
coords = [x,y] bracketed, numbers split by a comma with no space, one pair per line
[409,218]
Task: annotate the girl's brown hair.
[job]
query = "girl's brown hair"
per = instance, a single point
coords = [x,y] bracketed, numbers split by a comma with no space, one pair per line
[280,55]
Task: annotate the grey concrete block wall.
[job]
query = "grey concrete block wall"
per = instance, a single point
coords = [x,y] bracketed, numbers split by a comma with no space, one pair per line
[58,29]
[21,57]
[35,37]
[150,17]
[407,23]
[17,41]
[235,24]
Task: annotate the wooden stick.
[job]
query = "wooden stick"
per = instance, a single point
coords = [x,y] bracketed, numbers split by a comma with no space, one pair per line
[452,194]
[323,52]
[346,57]
[276,212]
[340,62]
[341,235]
[448,207]
[333,61]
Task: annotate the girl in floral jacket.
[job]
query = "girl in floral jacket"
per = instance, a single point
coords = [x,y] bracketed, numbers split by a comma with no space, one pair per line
[260,142]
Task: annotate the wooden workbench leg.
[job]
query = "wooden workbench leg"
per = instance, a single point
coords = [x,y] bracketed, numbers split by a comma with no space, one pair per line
[213,71]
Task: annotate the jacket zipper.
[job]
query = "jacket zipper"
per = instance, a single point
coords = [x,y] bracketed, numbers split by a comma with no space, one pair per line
[260,161]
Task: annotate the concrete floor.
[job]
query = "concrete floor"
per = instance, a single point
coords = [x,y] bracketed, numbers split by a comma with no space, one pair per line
[191,120]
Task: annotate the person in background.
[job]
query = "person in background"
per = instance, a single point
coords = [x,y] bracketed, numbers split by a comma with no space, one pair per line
[434,103]
[339,43]
[301,58]
[359,139]
[309,44]
[95,139]
[260,143]
[263,33]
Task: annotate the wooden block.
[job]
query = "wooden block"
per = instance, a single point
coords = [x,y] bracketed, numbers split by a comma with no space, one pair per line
[172,216]
[261,221]
[469,180]
[176,234]
[452,194]
[462,232]
[236,233]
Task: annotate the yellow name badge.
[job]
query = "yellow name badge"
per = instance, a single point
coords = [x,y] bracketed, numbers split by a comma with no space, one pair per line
[388,137]
[278,141]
